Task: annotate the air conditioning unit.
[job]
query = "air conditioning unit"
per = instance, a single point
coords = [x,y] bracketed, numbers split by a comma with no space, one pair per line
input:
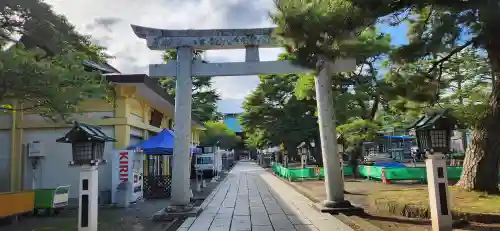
[35,149]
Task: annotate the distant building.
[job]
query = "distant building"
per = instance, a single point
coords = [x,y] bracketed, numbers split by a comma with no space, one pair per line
[231,121]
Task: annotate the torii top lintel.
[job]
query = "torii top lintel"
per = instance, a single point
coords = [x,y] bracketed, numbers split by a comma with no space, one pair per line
[160,39]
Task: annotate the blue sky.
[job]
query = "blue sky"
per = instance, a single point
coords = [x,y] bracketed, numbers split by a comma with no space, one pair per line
[398,34]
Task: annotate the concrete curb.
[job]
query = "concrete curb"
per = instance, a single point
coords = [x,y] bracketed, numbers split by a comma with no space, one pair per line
[163,226]
[357,223]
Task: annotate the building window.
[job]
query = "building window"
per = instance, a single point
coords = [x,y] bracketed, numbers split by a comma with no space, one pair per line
[156,118]
[204,160]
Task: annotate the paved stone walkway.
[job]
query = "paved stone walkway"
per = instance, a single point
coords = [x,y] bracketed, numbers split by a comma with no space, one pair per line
[252,199]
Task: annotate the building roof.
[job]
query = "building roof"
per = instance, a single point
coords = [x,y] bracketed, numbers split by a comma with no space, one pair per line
[82,132]
[104,68]
[429,119]
[232,114]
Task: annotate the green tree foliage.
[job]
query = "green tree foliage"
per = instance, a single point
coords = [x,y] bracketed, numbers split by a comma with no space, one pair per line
[467,82]
[394,118]
[464,84]
[438,29]
[358,131]
[273,114]
[204,96]
[256,139]
[218,133]
[43,70]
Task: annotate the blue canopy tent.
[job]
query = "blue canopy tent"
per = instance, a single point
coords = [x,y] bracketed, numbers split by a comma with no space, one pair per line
[161,144]
[157,163]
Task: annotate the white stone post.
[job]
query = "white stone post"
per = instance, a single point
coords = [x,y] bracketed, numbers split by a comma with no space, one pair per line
[334,183]
[88,199]
[439,202]
[182,138]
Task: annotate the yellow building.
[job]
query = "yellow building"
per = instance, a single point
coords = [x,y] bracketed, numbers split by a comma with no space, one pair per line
[139,109]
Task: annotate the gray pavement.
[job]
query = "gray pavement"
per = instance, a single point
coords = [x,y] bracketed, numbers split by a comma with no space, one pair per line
[252,199]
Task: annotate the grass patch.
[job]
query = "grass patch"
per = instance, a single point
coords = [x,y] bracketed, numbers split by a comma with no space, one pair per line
[414,202]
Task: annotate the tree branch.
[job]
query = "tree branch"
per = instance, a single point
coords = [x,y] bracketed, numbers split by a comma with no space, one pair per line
[437,63]
[397,15]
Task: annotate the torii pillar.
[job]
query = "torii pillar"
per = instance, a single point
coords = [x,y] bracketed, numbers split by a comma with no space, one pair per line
[185,41]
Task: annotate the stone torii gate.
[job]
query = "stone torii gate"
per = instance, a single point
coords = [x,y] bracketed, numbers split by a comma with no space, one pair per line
[186,41]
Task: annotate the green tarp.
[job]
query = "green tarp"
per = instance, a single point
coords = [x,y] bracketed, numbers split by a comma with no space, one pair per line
[417,173]
[295,174]
[370,172]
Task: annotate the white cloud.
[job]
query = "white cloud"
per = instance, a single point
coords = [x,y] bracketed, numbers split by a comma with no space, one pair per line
[108,22]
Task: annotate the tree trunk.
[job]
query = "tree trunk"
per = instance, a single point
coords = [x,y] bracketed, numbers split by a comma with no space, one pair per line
[480,172]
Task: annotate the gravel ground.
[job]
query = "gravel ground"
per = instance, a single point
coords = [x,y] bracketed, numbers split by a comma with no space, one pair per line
[358,191]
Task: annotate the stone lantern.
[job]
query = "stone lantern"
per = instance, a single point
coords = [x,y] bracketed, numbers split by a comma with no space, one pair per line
[434,131]
[87,143]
